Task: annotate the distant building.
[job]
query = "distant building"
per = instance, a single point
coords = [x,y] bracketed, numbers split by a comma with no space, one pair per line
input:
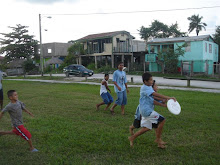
[201,50]
[54,50]
[112,47]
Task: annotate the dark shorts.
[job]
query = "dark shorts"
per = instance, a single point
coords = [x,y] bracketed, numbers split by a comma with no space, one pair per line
[160,119]
[137,123]
[23,132]
[1,94]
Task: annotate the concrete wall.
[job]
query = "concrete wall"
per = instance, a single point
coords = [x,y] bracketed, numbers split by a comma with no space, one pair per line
[122,37]
[55,49]
[139,46]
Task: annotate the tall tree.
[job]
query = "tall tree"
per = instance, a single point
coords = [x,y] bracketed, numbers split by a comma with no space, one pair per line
[18,43]
[160,30]
[170,58]
[195,23]
[73,51]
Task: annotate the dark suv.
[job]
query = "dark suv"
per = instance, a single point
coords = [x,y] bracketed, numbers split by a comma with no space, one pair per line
[76,69]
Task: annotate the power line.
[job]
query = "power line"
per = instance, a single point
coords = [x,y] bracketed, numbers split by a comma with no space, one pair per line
[147,11]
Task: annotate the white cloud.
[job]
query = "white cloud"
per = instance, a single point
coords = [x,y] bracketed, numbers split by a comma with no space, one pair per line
[62,28]
[46,1]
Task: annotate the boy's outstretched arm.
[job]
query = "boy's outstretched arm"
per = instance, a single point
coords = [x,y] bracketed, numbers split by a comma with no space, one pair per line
[160,104]
[28,112]
[162,96]
[1,114]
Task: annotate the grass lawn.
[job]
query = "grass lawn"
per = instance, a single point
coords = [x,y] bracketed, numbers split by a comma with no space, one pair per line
[68,130]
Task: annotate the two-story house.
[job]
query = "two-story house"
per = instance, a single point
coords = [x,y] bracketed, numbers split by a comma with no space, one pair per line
[112,47]
[201,50]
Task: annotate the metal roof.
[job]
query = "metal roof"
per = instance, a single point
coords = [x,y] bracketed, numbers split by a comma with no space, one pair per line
[180,39]
[103,35]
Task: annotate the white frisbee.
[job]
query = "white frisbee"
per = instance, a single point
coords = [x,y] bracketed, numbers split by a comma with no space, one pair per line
[173,107]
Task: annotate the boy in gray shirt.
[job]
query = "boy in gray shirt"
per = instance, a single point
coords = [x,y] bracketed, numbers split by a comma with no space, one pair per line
[15,108]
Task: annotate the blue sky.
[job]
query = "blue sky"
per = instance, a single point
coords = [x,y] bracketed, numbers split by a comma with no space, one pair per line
[62,28]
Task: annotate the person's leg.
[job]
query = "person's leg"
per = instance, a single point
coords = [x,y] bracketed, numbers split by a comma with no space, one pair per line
[98,105]
[30,144]
[7,133]
[110,100]
[122,109]
[108,105]
[1,104]
[105,100]
[159,130]
[112,109]
[124,102]
[138,133]
[131,129]
[117,102]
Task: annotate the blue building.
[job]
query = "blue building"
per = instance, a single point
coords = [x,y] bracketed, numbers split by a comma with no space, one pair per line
[201,50]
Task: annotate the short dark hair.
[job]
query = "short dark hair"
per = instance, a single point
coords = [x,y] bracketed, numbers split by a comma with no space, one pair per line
[146,76]
[106,74]
[120,63]
[10,93]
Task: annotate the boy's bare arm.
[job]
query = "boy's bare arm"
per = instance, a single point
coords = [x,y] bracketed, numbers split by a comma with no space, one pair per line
[162,96]
[28,112]
[127,87]
[1,114]
[105,83]
[161,99]
[160,104]
[119,88]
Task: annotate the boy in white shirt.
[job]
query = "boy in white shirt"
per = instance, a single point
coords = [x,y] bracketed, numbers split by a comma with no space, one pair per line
[106,97]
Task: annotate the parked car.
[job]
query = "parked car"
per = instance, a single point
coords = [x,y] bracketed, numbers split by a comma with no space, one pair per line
[76,69]
[4,74]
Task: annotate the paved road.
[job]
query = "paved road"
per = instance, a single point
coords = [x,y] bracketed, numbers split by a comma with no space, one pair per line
[137,86]
[159,80]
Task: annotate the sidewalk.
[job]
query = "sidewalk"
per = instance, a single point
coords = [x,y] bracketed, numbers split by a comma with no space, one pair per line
[133,86]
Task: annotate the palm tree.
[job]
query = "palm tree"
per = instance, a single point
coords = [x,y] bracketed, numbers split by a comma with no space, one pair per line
[195,23]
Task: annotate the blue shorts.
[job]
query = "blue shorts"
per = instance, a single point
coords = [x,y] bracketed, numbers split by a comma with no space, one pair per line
[107,98]
[122,98]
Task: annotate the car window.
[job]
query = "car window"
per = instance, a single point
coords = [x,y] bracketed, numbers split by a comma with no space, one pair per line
[71,67]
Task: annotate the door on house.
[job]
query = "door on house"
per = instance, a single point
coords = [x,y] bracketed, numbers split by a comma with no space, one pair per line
[186,69]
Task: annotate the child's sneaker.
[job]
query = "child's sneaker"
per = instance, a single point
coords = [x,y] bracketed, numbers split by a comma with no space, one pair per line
[34,150]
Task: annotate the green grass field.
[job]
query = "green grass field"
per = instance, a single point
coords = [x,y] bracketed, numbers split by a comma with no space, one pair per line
[68,130]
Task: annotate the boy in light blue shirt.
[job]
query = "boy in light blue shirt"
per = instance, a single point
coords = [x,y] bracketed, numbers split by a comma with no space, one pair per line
[150,118]
[137,116]
[121,88]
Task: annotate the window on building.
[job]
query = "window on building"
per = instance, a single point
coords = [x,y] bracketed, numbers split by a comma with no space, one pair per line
[216,50]
[205,47]
[49,51]
[188,47]
[210,48]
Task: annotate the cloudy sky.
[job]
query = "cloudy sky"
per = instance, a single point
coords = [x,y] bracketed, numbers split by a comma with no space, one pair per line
[73,19]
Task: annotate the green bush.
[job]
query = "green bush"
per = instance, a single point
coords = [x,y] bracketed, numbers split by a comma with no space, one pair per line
[91,66]
[106,69]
